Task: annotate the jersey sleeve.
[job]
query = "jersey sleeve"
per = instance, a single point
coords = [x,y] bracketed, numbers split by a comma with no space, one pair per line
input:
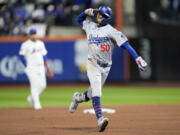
[44,51]
[119,37]
[22,50]
[86,24]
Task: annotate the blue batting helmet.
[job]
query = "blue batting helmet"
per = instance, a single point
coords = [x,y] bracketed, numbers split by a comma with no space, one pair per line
[32,31]
[107,11]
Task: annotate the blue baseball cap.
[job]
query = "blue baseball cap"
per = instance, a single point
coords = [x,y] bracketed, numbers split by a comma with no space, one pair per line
[32,31]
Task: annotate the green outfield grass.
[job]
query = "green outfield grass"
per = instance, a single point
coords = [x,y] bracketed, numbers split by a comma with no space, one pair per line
[111,96]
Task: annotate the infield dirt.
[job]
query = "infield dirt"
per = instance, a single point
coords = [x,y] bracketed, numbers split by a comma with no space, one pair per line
[128,120]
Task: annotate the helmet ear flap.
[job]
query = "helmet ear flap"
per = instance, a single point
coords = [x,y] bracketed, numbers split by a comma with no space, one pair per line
[105,21]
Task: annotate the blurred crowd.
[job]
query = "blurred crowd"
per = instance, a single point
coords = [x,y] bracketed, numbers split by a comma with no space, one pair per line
[170,9]
[167,11]
[17,15]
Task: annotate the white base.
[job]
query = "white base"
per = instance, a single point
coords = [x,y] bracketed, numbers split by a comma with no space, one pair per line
[104,110]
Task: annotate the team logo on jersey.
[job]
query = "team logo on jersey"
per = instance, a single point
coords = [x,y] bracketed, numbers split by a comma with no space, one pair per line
[35,50]
[123,36]
[97,39]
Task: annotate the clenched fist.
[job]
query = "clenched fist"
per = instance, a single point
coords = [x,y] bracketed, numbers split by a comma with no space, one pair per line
[90,11]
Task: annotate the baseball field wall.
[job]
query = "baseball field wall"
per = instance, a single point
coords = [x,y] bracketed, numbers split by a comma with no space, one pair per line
[67,59]
[157,39]
[162,56]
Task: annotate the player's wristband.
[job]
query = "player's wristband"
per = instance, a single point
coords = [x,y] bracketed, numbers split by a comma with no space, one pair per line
[45,60]
[46,64]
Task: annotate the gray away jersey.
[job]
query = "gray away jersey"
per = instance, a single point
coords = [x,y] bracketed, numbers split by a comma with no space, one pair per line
[101,41]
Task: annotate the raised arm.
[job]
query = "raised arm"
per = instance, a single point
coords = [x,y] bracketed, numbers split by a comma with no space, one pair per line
[83,15]
[81,18]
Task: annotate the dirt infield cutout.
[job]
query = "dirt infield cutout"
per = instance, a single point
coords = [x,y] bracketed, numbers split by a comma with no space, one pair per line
[128,120]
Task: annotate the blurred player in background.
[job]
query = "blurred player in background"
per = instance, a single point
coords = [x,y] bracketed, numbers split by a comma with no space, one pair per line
[102,38]
[34,56]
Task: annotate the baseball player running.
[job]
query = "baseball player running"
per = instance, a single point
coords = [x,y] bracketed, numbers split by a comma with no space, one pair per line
[102,38]
[34,56]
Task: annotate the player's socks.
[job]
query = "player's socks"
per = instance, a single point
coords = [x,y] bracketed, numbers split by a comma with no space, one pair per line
[97,107]
[86,96]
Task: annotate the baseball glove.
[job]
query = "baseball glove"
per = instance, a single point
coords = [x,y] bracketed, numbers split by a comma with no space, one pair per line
[49,74]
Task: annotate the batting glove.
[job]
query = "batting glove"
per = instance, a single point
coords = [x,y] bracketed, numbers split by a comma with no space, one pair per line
[141,63]
[89,12]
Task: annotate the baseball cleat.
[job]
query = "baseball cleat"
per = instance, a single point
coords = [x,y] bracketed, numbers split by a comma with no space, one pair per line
[103,124]
[29,99]
[74,104]
[37,107]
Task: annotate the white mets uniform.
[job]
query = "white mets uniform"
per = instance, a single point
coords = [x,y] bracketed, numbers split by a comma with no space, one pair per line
[101,42]
[33,51]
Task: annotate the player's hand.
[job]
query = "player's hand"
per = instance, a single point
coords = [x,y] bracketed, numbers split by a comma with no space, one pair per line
[90,11]
[141,63]
[49,74]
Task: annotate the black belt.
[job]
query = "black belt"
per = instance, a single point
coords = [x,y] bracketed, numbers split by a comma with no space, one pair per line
[104,65]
